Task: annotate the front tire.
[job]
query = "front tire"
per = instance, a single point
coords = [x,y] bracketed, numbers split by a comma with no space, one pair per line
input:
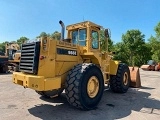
[120,82]
[84,86]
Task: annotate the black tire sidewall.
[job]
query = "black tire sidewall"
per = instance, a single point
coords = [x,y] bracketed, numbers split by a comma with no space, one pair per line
[125,69]
[86,101]
[116,81]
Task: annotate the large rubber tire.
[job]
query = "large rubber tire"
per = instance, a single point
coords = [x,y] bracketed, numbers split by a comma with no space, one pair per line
[76,86]
[117,83]
[51,93]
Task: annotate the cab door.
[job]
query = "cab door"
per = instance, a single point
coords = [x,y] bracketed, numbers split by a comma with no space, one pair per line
[95,39]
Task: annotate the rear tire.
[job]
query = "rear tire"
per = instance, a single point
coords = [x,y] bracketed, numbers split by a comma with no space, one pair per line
[120,82]
[84,86]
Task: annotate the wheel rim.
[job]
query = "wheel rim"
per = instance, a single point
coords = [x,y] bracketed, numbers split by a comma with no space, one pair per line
[93,87]
[125,78]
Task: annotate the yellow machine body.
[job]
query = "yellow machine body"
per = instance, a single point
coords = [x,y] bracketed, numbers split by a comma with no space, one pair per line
[14,54]
[11,49]
[56,58]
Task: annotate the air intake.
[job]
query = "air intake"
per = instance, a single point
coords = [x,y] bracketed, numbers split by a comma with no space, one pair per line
[29,57]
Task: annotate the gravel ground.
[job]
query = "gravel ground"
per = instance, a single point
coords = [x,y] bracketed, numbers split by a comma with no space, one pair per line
[17,103]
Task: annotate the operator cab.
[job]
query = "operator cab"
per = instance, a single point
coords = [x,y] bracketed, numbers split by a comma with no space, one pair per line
[11,53]
[85,34]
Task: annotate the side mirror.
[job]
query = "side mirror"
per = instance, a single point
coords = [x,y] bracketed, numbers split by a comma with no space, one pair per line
[106,33]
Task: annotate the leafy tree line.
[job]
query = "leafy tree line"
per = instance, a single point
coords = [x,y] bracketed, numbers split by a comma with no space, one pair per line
[132,49]
[56,35]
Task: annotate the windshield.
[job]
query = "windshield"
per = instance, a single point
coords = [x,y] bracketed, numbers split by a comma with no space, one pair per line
[11,51]
[79,37]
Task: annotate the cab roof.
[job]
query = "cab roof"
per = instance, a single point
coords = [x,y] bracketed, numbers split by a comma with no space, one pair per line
[82,25]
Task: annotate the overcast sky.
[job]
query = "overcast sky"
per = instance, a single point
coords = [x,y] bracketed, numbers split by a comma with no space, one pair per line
[31,17]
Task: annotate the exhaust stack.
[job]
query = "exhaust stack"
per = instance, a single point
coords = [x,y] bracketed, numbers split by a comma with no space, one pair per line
[63,29]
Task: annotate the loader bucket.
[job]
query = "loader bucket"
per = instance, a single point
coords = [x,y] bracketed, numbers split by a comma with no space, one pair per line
[135,77]
[145,67]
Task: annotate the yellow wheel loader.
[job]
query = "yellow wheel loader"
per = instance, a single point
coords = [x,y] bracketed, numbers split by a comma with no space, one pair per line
[13,52]
[75,64]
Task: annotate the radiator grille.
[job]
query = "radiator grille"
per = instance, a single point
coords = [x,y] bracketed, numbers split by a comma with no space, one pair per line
[29,57]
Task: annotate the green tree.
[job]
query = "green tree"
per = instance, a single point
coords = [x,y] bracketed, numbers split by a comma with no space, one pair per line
[157,30]
[133,50]
[133,41]
[22,40]
[56,35]
[2,46]
[144,54]
[121,53]
[104,42]
[155,44]
[43,34]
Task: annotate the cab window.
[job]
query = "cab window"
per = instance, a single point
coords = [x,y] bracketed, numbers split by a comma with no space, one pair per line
[79,37]
[75,37]
[82,37]
[95,40]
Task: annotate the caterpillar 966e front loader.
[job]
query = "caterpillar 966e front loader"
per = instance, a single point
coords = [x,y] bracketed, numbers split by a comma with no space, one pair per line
[75,64]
